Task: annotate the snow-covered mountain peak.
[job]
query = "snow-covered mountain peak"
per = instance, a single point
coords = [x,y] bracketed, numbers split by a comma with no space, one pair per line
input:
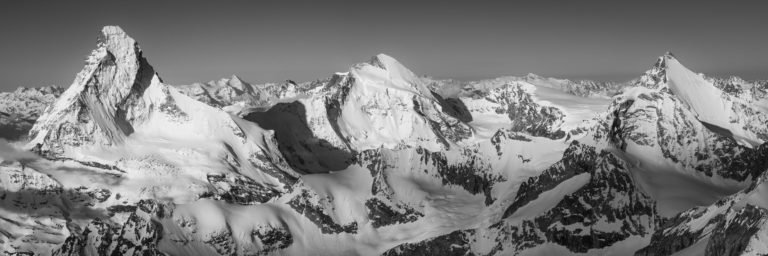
[387,62]
[656,76]
[717,110]
[383,70]
[119,114]
[116,36]
[381,103]
[103,101]
[708,102]
[237,83]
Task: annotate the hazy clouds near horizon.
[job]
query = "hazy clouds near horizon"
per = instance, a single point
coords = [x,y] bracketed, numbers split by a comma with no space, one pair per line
[46,42]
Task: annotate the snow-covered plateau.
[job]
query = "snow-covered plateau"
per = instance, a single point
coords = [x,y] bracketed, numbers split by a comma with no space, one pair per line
[377,160]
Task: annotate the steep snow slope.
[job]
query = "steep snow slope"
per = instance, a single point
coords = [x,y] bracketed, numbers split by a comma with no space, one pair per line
[706,100]
[731,107]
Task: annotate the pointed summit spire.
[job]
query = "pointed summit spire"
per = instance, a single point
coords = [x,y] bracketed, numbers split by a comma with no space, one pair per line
[238,83]
[661,63]
[656,77]
[114,34]
[105,99]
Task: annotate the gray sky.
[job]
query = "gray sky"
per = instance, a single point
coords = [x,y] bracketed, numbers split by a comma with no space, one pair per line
[187,41]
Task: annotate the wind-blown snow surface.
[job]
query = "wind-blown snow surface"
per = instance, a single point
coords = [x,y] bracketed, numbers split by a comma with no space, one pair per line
[377,160]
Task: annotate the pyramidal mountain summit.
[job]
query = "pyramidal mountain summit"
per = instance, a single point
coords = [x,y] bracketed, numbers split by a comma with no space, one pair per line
[377,160]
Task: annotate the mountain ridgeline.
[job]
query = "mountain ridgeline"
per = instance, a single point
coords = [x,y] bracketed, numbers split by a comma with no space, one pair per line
[379,161]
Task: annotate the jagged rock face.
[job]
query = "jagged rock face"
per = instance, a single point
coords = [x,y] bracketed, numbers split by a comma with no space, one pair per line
[735,109]
[749,104]
[599,206]
[730,226]
[238,189]
[658,120]
[20,109]
[389,205]
[519,106]
[138,235]
[740,234]
[607,209]
[105,101]
[526,115]
[314,207]
[656,76]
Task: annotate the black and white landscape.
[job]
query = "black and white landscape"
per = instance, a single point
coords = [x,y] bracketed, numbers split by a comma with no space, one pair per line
[379,159]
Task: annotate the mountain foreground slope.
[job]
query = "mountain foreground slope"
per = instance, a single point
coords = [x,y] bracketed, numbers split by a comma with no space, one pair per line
[379,161]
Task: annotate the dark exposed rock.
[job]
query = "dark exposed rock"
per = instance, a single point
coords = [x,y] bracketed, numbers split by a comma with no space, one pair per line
[503,135]
[384,215]
[728,224]
[303,204]
[240,189]
[139,235]
[528,116]
[577,159]
[732,236]
[609,196]
[272,239]
[644,121]
[469,175]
